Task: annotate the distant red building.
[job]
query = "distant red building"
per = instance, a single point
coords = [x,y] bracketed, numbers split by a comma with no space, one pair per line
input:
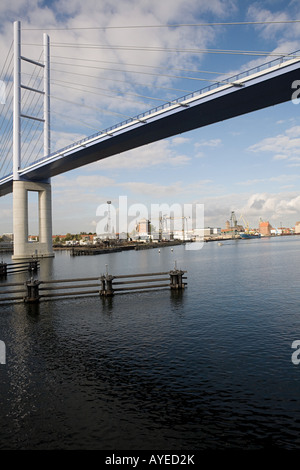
[265,228]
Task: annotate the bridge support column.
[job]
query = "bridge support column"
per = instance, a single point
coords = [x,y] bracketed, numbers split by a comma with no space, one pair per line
[42,248]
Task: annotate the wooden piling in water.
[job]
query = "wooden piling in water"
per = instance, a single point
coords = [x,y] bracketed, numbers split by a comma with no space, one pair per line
[33,266]
[106,286]
[32,291]
[3,269]
[176,277]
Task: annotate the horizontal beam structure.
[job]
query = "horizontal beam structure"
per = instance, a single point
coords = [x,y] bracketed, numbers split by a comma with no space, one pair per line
[270,87]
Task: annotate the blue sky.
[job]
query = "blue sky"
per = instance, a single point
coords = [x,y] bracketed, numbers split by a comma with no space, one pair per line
[249,164]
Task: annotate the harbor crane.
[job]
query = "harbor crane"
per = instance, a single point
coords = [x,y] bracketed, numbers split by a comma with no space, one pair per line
[246,223]
[233,221]
[162,224]
[183,219]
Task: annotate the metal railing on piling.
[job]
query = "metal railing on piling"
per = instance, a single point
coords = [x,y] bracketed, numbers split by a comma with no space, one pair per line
[11,297]
[110,283]
[19,267]
[34,290]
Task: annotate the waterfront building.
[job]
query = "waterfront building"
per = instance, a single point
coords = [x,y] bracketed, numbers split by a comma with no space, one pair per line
[265,229]
[143,227]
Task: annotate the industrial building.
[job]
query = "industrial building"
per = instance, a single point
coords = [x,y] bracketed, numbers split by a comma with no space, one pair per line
[143,227]
[265,229]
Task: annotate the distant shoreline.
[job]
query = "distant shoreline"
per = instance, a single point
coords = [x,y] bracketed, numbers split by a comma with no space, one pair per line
[99,249]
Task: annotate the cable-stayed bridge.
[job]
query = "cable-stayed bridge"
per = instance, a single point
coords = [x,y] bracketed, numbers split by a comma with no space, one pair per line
[249,91]
[267,85]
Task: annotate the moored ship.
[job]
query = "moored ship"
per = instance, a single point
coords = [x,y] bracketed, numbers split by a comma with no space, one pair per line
[249,235]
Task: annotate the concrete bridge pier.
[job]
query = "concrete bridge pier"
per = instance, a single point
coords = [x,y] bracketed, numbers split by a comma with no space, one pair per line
[22,248]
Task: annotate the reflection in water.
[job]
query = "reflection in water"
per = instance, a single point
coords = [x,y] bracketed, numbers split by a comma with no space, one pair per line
[46,268]
[32,309]
[107,304]
[204,368]
[177,299]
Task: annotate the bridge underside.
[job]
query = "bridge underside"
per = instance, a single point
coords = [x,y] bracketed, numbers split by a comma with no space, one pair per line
[270,91]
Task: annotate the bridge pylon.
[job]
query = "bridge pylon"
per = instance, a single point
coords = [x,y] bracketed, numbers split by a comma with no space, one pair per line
[22,248]
[21,186]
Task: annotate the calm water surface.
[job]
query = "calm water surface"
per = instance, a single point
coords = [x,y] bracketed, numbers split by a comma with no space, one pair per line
[209,368]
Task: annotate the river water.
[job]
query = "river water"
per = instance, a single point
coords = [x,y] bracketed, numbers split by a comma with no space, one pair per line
[208,368]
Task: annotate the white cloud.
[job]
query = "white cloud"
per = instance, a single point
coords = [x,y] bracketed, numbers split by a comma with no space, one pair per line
[200,155]
[152,189]
[258,13]
[293,131]
[84,181]
[273,206]
[179,140]
[280,156]
[251,182]
[209,143]
[283,146]
[158,153]
[284,178]
[60,139]
[283,207]
[183,190]
[279,179]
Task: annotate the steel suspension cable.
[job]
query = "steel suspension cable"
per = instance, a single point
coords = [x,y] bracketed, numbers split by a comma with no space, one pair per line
[134,65]
[121,81]
[145,73]
[105,89]
[231,23]
[93,107]
[164,49]
[75,120]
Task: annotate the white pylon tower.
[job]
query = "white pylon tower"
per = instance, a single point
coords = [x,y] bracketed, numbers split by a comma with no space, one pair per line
[21,186]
